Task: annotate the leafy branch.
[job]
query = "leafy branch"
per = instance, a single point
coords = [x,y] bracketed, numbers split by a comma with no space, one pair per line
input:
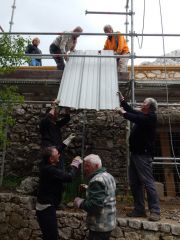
[9,99]
[12,50]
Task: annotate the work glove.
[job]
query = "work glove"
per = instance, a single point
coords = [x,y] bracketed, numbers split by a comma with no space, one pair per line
[68,140]
[76,162]
[78,201]
[55,103]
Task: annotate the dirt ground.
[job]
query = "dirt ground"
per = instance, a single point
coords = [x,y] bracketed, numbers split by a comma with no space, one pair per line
[170,210]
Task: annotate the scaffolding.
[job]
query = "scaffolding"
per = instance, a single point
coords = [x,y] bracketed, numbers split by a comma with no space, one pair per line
[133,56]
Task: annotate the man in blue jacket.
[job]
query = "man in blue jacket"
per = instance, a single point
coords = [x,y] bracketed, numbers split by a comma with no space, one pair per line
[141,144]
[33,49]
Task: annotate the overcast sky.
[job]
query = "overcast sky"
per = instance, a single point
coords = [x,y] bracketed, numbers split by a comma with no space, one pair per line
[61,15]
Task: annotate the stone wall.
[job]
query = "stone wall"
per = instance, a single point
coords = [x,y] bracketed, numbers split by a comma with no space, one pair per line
[157,72]
[18,221]
[104,135]
[105,132]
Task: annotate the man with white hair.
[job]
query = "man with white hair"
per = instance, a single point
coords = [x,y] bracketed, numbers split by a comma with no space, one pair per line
[118,44]
[64,44]
[141,144]
[100,202]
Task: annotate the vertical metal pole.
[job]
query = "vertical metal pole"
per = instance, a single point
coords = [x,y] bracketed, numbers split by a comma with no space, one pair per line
[132,54]
[12,16]
[128,154]
[127,23]
[132,92]
[83,143]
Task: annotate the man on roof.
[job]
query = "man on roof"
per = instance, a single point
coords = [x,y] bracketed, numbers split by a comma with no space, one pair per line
[64,44]
[118,44]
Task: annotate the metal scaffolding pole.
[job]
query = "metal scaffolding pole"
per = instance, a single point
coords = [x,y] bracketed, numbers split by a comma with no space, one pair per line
[94,34]
[167,158]
[49,56]
[126,22]
[137,104]
[132,57]
[12,16]
[112,13]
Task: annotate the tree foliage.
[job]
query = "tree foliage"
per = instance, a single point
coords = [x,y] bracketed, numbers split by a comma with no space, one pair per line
[12,49]
[9,99]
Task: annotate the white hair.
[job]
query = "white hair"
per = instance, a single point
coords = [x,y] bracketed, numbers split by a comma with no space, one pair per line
[94,160]
[153,106]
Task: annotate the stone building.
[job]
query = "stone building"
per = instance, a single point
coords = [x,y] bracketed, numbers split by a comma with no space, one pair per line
[106,133]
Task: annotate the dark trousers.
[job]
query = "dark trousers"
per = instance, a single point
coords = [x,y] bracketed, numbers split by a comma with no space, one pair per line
[58,59]
[48,223]
[99,235]
[141,176]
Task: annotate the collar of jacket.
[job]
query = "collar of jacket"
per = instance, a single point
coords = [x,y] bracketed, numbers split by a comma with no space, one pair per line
[110,37]
[100,170]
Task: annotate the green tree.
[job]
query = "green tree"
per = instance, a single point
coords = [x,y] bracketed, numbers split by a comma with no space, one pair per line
[12,50]
[9,99]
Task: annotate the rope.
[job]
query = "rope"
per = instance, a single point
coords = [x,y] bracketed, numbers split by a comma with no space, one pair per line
[167,92]
[144,13]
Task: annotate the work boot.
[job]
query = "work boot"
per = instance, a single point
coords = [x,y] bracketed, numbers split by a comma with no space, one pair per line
[136,214]
[154,217]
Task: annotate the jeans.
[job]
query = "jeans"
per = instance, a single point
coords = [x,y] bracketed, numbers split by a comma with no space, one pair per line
[58,59]
[141,176]
[99,235]
[48,223]
[35,62]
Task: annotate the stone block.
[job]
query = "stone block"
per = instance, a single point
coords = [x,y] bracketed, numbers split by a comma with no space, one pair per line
[152,226]
[165,227]
[140,76]
[137,224]
[123,222]
[175,229]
